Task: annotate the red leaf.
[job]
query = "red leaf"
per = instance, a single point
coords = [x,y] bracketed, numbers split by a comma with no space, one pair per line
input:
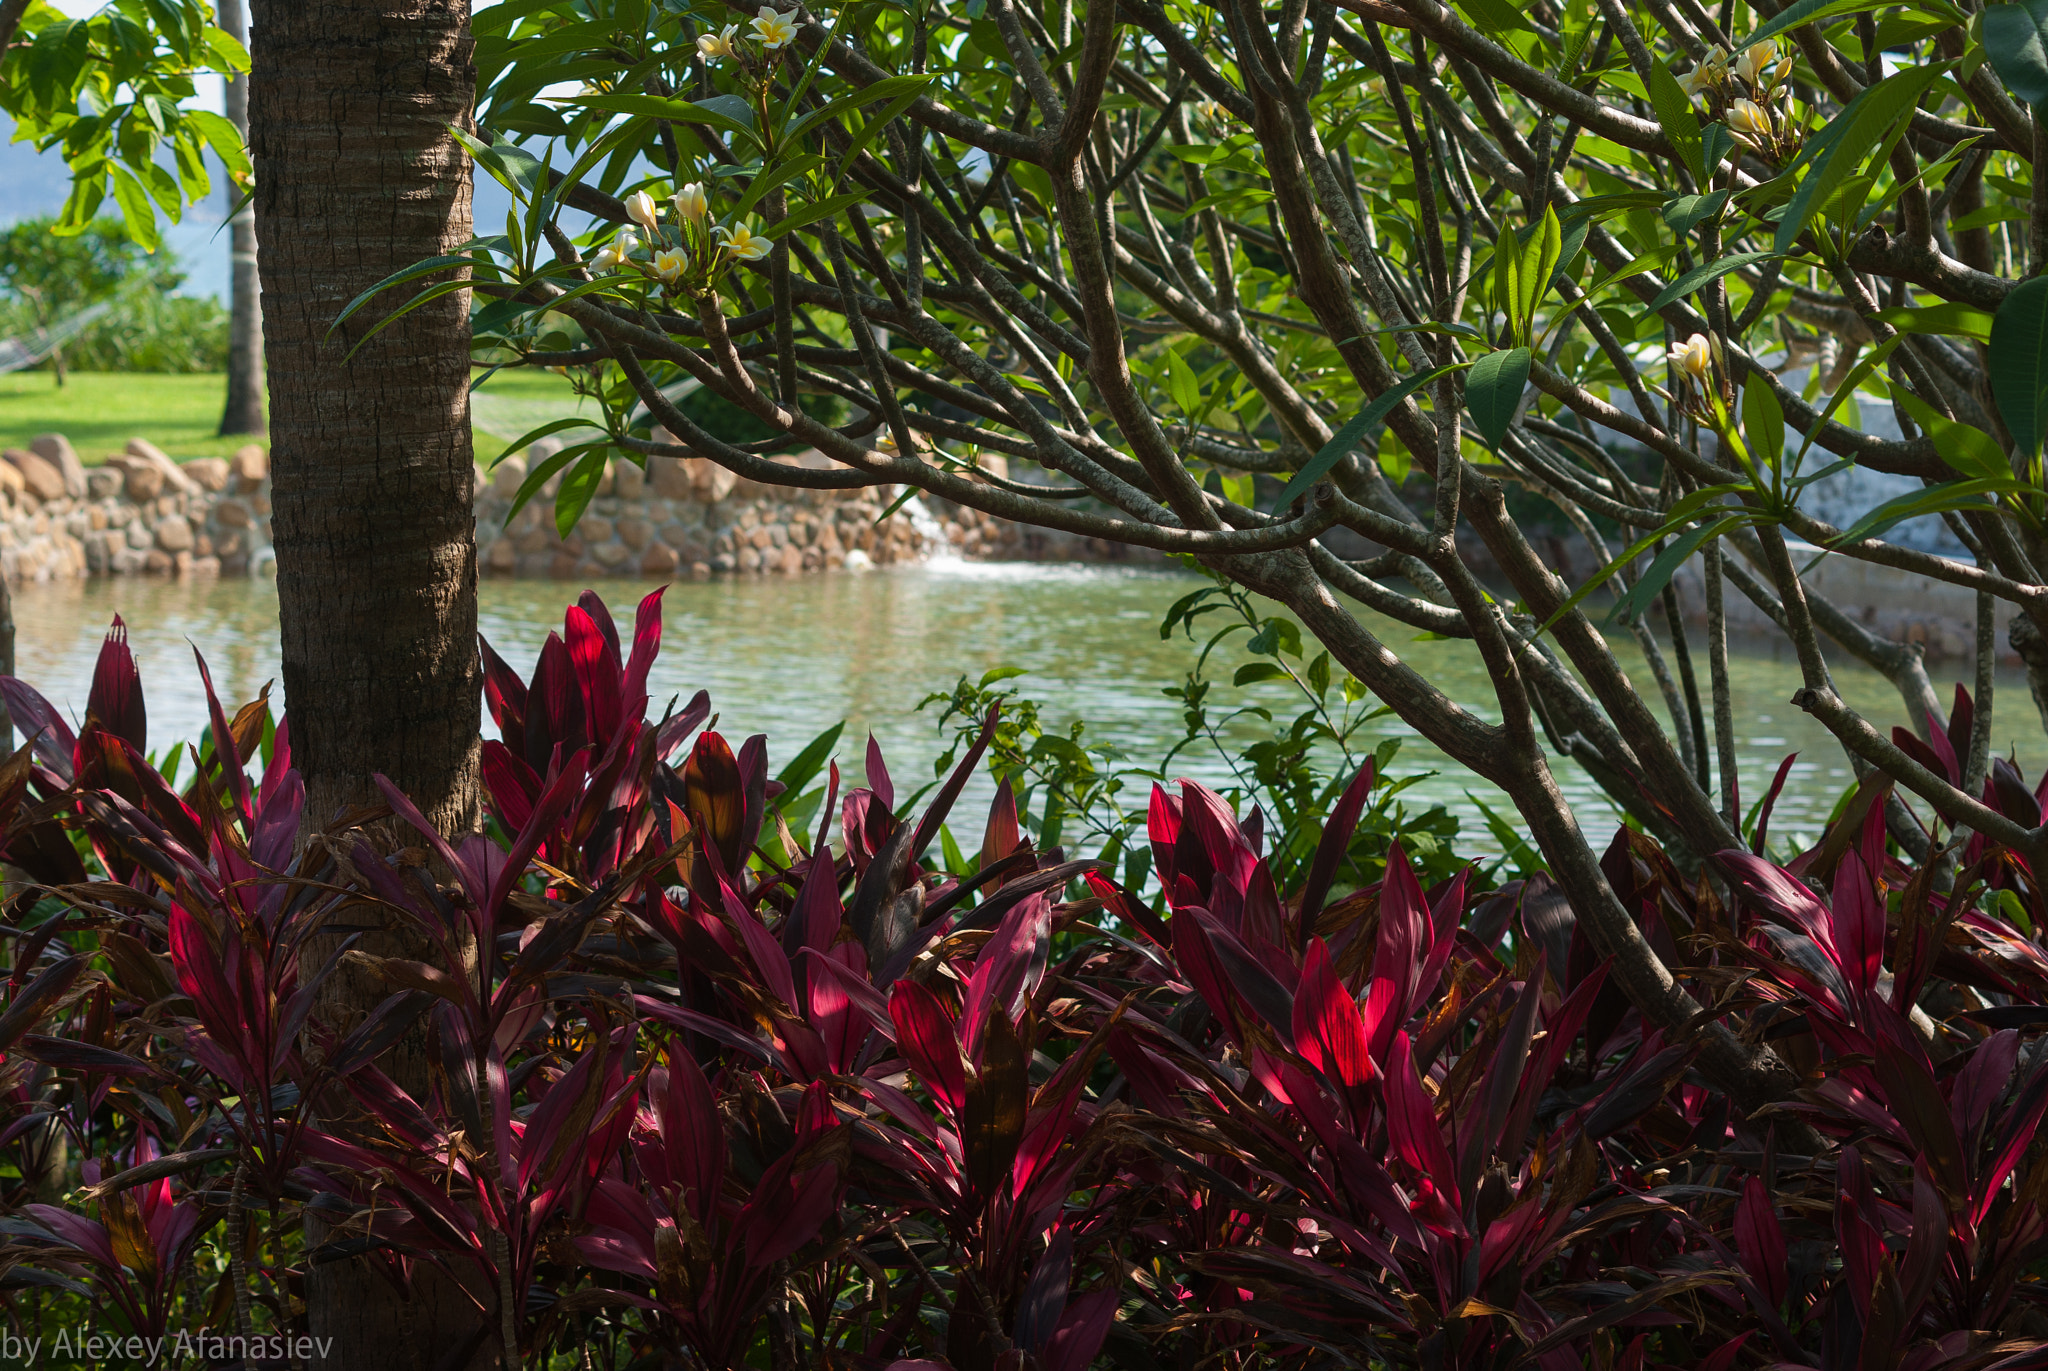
[646,646]
[1328,1030]
[1331,847]
[878,776]
[1412,1126]
[1761,1241]
[1081,1332]
[1858,923]
[116,696]
[925,1036]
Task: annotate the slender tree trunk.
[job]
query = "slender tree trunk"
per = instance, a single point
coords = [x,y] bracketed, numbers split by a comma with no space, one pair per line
[243,412]
[350,105]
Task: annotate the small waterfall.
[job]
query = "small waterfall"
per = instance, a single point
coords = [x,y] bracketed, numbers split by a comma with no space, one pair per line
[931,534]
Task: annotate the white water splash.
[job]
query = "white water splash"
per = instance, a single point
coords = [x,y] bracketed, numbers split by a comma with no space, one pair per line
[931,534]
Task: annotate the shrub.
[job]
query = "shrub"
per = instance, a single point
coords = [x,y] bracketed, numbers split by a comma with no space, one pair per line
[693,1085]
[45,279]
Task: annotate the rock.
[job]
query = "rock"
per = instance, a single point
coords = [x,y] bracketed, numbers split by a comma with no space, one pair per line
[635,533]
[251,465]
[670,478]
[506,477]
[174,534]
[502,557]
[749,560]
[711,481]
[158,564]
[56,449]
[103,483]
[145,481]
[138,535]
[210,472]
[611,555]
[39,474]
[174,476]
[628,480]
[700,571]
[231,513]
[10,476]
[659,560]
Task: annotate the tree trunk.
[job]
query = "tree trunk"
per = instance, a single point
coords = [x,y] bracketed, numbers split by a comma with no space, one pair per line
[243,412]
[350,104]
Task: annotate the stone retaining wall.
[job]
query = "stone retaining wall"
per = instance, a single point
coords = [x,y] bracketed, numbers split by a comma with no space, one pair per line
[140,513]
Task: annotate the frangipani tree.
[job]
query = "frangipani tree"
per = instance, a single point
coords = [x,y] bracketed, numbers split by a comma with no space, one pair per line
[1149,251]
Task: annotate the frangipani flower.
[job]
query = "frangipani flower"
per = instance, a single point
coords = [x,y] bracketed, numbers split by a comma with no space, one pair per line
[1697,82]
[1694,356]
[642,210]
[745,244]
[1749,121]
[614,254]
[690,201]
[1756,59]
[716,45]
[775,30]
[669,265]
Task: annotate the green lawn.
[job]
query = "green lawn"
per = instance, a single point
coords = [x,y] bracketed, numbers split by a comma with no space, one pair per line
[101,411]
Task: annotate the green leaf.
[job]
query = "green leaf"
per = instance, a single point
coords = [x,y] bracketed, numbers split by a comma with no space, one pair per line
[535,435]
[1182,385]
[1539,262]
[1701,275]
[136,210]
[578,488]
[2016,42]
[1494,390]
[1645,591]
[1763,422]
[824,209]
[805,766]
[1675,113]
[1967,448]
[221,136]
[1837,151]
[1951,319]
[1251,673]
[1685,213]
[1914,504]
[2019,363]
[1347,437]
[1812,11]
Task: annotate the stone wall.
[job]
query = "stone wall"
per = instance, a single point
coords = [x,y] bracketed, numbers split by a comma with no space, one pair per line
[139,513]
[142,513]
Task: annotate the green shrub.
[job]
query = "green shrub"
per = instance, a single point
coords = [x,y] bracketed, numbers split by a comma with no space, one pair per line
[45,279]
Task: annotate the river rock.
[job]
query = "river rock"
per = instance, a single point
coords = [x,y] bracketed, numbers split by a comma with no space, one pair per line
[56,449]
[143,479]
[174,534]
[669,478]
[174,476]
[628,480]
[505,478]
[231,513]
[659,560]
[251,465]
[10,476]
[39,474]
[210,472]
[102,483]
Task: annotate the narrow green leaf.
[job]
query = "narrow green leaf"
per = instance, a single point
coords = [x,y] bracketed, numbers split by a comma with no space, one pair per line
[1914,504]
[1838,150]
[1539,261]
[1701,275]
[1951,319]
[1675,113]
[2019,363]
[1763,422]
[1347,437]
[1646,590]
[578,488]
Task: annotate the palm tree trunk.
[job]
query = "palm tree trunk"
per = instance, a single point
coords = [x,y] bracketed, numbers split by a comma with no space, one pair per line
[243,412]
[350,104]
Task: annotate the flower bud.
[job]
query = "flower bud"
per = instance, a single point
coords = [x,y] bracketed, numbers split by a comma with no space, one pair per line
[691,202]
[642,210]
[1694,356]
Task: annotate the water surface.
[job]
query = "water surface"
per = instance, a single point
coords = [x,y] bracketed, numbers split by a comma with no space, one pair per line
[791,657]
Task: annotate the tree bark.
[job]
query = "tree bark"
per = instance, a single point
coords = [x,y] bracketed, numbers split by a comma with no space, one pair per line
[243,412]
[357,176]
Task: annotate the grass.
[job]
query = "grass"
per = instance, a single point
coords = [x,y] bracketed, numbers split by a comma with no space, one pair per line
[100,411]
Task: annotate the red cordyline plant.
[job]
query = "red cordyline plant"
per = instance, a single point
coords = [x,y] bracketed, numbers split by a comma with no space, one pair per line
[666,1080]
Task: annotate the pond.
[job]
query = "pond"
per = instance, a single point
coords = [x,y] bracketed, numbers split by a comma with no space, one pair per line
[791,657]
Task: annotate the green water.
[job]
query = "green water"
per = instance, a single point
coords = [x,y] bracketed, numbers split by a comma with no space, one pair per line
[790,657]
